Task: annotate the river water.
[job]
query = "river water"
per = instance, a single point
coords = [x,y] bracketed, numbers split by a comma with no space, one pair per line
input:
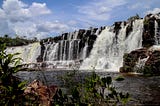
[143,90]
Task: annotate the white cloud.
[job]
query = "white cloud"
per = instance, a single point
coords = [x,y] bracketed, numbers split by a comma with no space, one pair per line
[38,29]
[19,18]
[16,10]
[52,27]
[4,28]
[2,14]
[154,11]
[139,5]
[39,9]
[99,9]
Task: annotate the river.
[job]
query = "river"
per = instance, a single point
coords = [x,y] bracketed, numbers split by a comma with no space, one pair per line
[143,90]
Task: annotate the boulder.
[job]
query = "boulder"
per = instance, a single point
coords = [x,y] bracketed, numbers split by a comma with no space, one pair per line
[130,59]
[152,65]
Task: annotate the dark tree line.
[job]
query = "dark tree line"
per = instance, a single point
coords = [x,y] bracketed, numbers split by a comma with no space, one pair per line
[17,41]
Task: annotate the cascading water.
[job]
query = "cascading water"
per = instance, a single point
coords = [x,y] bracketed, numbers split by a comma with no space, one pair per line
[155,27]
[109,48]
[157,33]
[28,53]
[68,51]
[105,53]
[140,65]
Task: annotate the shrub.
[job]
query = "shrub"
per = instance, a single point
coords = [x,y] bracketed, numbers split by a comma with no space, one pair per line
[94,91]
[11,89]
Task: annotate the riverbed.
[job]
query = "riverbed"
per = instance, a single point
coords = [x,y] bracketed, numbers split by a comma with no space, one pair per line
[143,90]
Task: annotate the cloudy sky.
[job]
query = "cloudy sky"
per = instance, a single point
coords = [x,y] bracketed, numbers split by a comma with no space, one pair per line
[42,18]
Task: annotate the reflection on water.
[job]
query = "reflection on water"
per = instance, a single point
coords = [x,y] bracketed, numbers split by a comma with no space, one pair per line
[143,90]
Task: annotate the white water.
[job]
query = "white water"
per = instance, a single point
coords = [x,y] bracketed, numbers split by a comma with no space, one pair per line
[154,47]
[107,52]
[140,65]
[50,52]
[156,32]
[28,53]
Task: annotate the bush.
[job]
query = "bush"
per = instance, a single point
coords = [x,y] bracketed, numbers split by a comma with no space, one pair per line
[11,88]
[94,91]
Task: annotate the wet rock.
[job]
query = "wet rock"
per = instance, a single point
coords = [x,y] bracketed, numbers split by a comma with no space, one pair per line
[149,31]
[81,33]
[129,28]
[40,57]
[65,35]
[152,65]
[117,27]
[130,59]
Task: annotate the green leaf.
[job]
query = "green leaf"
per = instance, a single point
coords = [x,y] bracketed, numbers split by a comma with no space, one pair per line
[22,84]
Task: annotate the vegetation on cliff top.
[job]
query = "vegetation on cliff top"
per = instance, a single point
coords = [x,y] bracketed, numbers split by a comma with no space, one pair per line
[17,41]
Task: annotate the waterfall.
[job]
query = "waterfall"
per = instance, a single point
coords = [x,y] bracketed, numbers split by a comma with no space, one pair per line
[50,52]
[84,53]
[63,50]
[109,48]
[157,33]
[138,68]
[99,48]
[156,37]
[28,53]
[66,52]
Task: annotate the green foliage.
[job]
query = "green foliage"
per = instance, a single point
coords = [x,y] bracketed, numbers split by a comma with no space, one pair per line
[119,78]
[15,41]
[11,89]
[69,80]
[92,92]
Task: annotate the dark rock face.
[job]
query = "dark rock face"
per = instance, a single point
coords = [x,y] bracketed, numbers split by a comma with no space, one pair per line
[149,31]
[81,33]
[40,57]
[91,41]
[129,28]
[130,59]
[117,27]
[158,31]
[153,63]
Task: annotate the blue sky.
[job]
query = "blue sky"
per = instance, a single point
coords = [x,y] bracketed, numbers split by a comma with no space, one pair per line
[42,18]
